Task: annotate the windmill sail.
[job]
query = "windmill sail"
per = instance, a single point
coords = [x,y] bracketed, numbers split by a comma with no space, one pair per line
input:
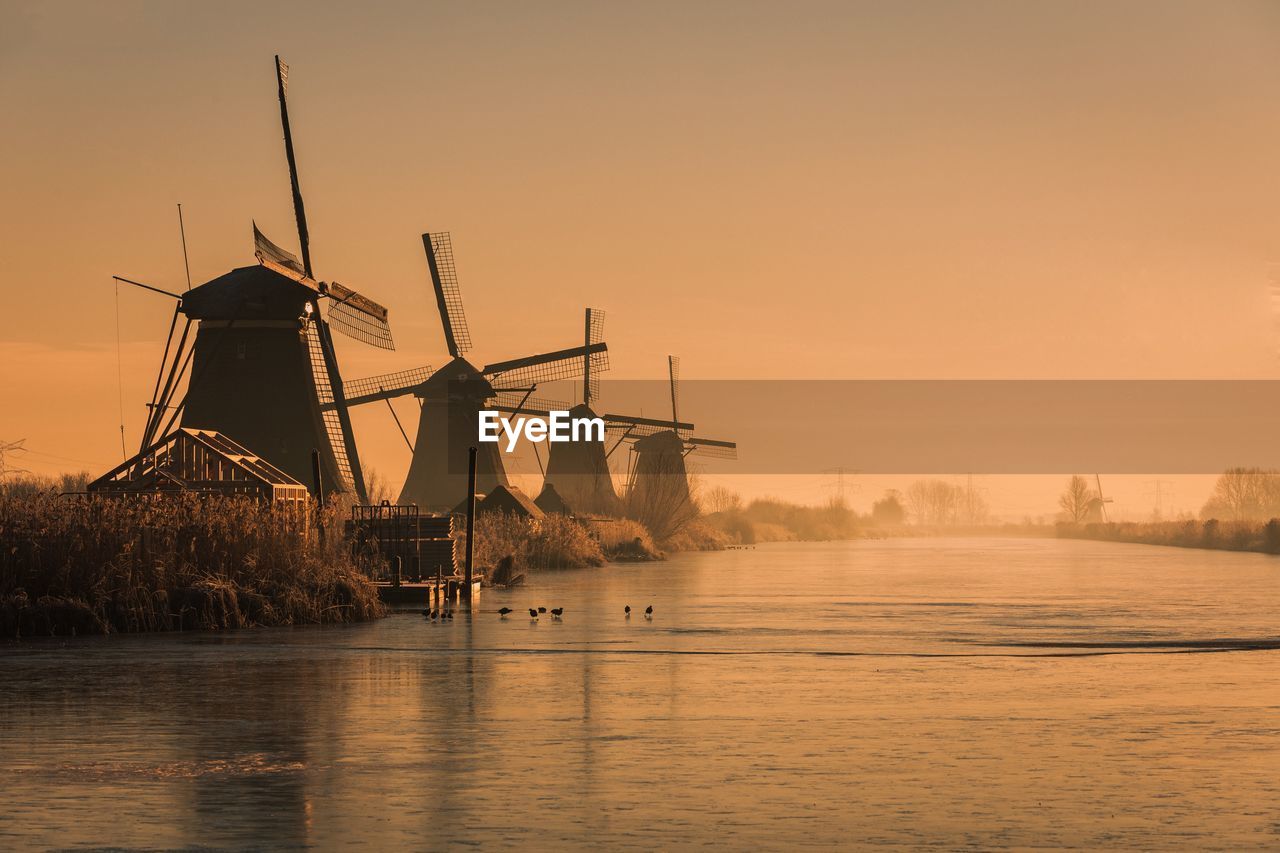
[644,426]
[272,256]
[711,448]
[328,411]
[444,277]
[546,367]
[519,401]
[299,211]
[386,386]
[358,316]
[593,363]
[673,370]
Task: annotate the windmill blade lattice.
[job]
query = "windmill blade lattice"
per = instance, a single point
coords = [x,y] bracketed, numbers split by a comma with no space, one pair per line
[386,385]
[673,370]
[329,411]
[357,318]
[547,367]
[270,254]
[597,361]
[711,448]
[625,426]
[513,400]
[444,277]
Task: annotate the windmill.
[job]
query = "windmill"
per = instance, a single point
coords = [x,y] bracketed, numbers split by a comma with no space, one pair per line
[658,482]
[1098,504]
[262,365]
[578,471]
[453,396]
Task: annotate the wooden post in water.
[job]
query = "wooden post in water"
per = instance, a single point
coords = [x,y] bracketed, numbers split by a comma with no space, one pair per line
[318,479]
[471,520]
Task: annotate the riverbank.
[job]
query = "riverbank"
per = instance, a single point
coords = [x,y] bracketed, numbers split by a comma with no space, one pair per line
[78,565]
[1256,536]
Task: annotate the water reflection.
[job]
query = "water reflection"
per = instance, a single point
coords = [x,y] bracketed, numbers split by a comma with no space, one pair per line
[909,693]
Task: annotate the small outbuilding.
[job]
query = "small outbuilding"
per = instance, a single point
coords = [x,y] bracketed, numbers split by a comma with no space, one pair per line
[509,499]
[199,460]
[550,501]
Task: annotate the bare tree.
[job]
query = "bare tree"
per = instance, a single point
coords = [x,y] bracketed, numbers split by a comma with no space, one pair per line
[1077,499]
[1244,494]
[721,499]
[378,488]
[934,502]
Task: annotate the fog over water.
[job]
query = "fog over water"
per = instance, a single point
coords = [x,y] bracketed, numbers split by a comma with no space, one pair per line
[994,692]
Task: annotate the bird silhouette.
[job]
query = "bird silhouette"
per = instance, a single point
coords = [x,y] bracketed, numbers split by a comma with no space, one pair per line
[533,614]
[648,612]
[557,612]
[627,610]
[449,615]
[542,610]
[426,614]
[503,611]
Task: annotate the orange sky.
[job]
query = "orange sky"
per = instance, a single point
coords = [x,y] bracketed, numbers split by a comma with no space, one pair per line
[827,190]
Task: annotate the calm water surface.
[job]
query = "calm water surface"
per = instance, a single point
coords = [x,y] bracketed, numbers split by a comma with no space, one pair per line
[949,693]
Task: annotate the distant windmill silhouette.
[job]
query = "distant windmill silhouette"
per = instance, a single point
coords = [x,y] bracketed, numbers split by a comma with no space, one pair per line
[1099,503]
[453,396]
[658,480]
[578,471]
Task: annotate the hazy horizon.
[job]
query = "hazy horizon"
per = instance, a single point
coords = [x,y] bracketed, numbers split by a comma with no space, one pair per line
[834,190]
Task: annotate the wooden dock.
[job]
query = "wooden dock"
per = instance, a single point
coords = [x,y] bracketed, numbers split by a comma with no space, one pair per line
[430,594]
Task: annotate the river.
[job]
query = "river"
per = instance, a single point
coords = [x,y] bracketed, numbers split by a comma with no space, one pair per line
[964,692]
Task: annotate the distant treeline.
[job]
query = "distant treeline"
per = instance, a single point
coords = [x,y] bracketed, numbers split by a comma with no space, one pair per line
[775,520]
[1244,494]
[928,507]
[1261,536]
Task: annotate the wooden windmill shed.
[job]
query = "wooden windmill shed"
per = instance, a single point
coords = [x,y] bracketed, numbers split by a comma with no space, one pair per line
[204,461]
[509,499]
[550,501]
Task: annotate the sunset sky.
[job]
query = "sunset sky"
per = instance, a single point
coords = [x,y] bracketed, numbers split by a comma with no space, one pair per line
[817,190]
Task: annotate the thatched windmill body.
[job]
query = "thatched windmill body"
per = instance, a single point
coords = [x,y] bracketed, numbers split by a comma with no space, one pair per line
[658,478]
[578,471]
[453,396]
[263,370]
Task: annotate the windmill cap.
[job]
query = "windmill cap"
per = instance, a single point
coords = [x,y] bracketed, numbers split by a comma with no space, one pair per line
[247,293]
[667,441]
[458,378]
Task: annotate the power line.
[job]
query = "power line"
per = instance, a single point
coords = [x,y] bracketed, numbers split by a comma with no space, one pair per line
[6,448]
[1156,488]
[840,473]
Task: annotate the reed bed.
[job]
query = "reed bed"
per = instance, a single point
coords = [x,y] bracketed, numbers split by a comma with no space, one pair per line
[698,535]
[91,565]
[623,540]
[1212,533]
[552,542]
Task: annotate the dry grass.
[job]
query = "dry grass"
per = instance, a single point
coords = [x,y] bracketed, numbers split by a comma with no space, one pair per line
[553,542]
[624,540]
[85,565]
[697,535]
